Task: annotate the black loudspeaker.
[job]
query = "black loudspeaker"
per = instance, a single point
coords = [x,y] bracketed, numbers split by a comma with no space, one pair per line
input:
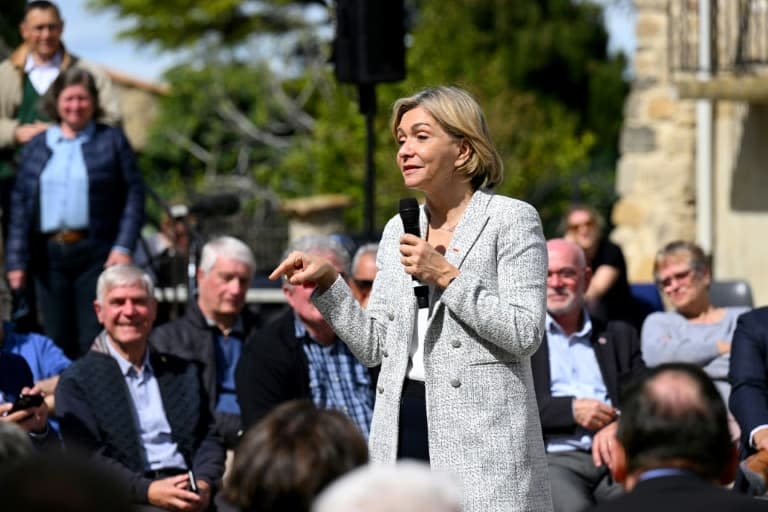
[369,46]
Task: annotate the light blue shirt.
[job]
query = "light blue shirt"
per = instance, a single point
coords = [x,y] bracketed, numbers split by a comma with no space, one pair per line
[574,372]
[160,450]
[64,182]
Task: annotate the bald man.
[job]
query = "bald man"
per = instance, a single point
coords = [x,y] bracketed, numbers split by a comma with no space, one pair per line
[579,371]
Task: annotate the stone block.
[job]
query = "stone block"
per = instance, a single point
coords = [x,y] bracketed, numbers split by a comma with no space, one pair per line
[641,139]
[629,212]
[661,108]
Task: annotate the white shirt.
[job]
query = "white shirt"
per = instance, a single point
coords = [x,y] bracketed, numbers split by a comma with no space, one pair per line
[43,75]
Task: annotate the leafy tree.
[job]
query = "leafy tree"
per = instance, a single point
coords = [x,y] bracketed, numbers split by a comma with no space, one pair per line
[10,17]
[539,68]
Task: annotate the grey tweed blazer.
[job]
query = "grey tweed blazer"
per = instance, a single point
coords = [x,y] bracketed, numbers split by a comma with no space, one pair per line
[483,421]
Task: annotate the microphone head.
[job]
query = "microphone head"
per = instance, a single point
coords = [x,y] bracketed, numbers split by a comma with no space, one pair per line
[409,214]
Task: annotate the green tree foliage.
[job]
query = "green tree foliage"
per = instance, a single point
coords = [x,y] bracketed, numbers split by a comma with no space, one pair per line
[539,68]
[10,17]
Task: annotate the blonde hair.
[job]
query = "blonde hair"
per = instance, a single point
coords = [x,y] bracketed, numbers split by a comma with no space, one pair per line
[459,114]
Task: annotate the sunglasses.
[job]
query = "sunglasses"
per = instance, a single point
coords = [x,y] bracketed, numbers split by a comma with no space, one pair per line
[363,284]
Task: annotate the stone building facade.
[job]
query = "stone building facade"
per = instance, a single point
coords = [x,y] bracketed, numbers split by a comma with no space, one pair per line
[657,171]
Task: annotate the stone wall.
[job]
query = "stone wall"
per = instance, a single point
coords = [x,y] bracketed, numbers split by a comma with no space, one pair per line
[656,171]
[655,177]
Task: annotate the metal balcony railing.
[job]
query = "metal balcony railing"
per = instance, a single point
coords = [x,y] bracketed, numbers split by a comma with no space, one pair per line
[739,36]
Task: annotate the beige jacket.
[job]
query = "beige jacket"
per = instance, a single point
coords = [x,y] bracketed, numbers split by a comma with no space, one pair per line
[11,88]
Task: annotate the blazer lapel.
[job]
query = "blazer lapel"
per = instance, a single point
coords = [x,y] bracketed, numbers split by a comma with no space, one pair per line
[469,228]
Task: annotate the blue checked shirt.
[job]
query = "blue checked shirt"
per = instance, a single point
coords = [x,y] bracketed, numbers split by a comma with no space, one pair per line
[337,380]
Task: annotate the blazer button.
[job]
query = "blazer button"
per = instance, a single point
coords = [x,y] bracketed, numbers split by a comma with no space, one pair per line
[380,389]
[455,382]
[455,343]
[385,353]
[391,317]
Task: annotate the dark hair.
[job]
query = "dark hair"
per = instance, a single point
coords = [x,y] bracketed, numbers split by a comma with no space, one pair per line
[682,423]
[71,76]
[283,461]
[43,5]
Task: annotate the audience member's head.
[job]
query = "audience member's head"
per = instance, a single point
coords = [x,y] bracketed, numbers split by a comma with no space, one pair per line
[408,486]
[567,278]
[675,418]
[364,272]
[223,278]
[41,29]
[682,271]
[14,444]
[61,482]
[298,297]
[125,304]
[69,80]
[583,225]
[293,453]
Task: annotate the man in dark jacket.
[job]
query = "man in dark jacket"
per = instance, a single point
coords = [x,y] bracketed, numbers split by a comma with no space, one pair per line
[213,329]
[141,413]
[674,450]
[578,372]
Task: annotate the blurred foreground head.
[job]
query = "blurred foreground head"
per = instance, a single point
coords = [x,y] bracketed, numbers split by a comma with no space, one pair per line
[60,482]
[292,454]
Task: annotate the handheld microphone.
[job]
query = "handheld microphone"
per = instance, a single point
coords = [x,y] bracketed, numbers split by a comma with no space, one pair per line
[409,214]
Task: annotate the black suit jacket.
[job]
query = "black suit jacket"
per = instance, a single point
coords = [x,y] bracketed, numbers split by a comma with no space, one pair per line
[617,349]
[680,493]
[749,378]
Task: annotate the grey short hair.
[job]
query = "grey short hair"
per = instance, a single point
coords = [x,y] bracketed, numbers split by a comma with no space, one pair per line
[363,250]
[316,244]
[14,444]
[408,486]
[228,247]
[123,275]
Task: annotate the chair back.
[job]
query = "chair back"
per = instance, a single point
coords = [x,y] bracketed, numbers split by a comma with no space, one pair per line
[736,292]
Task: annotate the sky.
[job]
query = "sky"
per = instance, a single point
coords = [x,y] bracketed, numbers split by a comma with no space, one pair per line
[93,36]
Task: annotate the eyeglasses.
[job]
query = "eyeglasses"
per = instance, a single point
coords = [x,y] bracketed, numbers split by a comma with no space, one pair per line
[576,227]
[566,274]
[677,276]
[363,284]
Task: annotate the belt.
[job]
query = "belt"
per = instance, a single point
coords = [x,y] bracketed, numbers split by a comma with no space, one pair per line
[155,474]
[67,236]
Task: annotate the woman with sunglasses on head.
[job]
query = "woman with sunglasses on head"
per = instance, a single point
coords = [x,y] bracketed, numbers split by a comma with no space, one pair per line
[608,296]
[696,331]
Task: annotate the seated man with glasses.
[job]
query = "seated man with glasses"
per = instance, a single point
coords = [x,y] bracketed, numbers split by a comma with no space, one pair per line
[696,331]
[579,372]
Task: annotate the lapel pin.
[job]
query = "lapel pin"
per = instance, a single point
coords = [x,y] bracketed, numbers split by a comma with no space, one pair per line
[601,340]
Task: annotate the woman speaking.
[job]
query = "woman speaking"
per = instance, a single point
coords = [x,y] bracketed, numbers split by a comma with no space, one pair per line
[455,386]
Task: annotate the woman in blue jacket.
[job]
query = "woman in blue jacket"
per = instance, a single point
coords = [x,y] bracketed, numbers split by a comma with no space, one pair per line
[77,207]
